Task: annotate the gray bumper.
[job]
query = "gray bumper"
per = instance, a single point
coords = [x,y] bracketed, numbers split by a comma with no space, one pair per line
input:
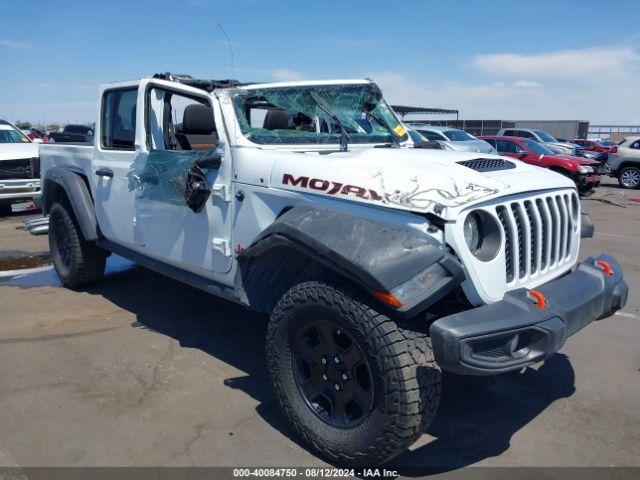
[515,332]
[18,189]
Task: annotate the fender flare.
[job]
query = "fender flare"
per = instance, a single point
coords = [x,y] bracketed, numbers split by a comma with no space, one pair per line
[374,255]
[75,187]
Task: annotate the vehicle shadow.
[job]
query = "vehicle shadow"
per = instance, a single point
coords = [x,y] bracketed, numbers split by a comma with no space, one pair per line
[477,415]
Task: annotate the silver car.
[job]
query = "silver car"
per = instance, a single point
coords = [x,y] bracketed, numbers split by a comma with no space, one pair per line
[556,146]
[453,139]
[624,162]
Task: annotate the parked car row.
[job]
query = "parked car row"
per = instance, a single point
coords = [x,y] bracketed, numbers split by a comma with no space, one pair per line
[584,161]
[584,172]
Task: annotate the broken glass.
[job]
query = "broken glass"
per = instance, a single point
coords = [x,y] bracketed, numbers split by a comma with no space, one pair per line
[360,108]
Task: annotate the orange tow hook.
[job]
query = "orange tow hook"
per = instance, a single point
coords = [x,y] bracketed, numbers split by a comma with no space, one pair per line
[538,299]
[606,268]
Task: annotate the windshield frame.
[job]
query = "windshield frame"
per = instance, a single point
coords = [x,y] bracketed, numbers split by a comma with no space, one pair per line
[318,138]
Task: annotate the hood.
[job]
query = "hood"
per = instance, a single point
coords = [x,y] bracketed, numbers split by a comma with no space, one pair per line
[563,145]
[15,151]
[418,180]
[479,146]
[573,158]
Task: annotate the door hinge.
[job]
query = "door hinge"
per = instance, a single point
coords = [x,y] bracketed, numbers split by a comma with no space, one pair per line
[222,191]
[221,245]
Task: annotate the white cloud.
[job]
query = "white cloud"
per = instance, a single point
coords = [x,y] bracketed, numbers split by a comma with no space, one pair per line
[287,75]
[576,64]
[15,45]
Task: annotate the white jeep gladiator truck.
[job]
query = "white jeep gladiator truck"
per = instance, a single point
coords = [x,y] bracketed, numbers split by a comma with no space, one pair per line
[379,264]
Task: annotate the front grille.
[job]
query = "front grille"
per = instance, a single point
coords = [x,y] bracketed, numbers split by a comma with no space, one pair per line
[15,169]
[538,234]
[487,164]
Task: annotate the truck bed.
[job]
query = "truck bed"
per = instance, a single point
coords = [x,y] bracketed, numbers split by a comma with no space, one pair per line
[78,157]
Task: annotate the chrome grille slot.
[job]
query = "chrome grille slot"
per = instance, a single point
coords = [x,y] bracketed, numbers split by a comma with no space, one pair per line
[508,243]
[534,236]
[538,235]
[554,238]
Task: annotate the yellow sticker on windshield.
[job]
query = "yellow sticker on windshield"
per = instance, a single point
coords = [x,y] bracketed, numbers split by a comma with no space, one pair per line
[399,130]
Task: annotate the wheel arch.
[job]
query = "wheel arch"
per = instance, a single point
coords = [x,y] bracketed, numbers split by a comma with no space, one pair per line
[59,183]
[306,243]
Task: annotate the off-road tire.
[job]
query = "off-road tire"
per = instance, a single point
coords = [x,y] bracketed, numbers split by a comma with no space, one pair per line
[633,173]
[85,262]
[405,377]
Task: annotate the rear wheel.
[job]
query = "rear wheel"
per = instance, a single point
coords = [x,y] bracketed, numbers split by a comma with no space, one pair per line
[79,263]
[354,384]
[629,177]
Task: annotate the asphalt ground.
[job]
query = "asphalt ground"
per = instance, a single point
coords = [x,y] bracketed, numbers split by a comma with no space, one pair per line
[143,371]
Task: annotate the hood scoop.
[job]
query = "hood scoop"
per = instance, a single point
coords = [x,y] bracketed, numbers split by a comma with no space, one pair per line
[487,164]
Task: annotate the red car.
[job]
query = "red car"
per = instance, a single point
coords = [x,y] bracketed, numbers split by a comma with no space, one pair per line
[591,145]
[584,172]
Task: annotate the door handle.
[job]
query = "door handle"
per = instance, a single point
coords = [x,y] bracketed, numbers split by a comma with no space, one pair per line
[104,172]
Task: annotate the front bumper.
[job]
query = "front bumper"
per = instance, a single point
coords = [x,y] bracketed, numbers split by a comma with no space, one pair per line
[515,332]
[588,181]
[21,188]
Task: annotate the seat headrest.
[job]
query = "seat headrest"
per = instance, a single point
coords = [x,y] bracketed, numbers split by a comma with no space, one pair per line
[198,120]
[276,120]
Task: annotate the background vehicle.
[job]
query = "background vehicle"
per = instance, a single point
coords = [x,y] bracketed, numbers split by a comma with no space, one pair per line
[592,145]
[420,141]
[72,134]
[298,200]
[34,134]
[541,137]
[453,138]
[19,167]
[624,162]
[584,172]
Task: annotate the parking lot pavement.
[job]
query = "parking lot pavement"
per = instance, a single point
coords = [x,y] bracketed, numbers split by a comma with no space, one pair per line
[15,242]
[141,370]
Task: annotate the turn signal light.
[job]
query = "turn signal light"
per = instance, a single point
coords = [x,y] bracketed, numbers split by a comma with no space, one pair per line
[387,299]
[606,268]
[538,299]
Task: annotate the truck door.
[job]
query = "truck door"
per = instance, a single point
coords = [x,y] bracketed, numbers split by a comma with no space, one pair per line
[181,129]
[115,151]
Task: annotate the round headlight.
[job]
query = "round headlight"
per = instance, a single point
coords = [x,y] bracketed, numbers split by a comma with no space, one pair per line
[472,232]
[482,235]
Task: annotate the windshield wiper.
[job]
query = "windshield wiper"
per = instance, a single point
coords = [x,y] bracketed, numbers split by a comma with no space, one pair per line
[344,136]
[394,139]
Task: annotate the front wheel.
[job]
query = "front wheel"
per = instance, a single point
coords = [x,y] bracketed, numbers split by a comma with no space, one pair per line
[629,177]
[78,263]
[354,384]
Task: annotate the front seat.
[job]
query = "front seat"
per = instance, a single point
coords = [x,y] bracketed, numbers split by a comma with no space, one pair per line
[277,120]
[198,130]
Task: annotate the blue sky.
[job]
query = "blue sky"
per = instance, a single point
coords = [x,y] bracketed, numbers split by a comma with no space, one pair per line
[492,59]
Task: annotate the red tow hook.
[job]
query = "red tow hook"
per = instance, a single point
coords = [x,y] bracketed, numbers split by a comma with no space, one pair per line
[539,300]
[605,267]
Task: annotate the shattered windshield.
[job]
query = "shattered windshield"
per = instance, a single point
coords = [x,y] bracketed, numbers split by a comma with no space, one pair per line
[314,114]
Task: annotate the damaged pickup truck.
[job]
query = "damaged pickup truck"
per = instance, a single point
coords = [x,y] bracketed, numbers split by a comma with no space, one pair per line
[379,264]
